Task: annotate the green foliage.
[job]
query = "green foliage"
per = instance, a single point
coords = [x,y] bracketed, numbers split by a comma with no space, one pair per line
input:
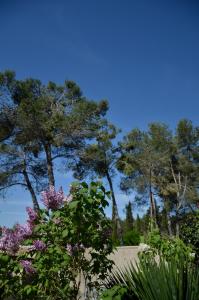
[115,293]
[168,247]
[152,280]
[77,242]
[158,162]
[189,232]
[99,159]
[131,238]
[129,221]
[38,124]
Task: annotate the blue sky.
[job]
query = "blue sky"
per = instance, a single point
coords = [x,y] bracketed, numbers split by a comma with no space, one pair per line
[143,56]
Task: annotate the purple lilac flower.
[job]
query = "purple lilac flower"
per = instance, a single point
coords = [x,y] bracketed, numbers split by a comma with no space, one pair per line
[11,238]
[72,249]
[39,245]
[32,214]
[27,265]
[9,241]
[52,199]
[23,231]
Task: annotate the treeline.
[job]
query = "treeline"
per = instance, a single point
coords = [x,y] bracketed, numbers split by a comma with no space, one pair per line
[47,127]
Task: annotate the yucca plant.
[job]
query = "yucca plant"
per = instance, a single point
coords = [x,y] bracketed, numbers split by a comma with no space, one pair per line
[162,280]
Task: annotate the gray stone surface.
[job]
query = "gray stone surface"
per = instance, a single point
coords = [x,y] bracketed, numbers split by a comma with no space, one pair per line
[121,257]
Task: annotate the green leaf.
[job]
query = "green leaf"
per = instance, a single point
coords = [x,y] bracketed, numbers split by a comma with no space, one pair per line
[4,258]
[28,290]
[73,204]
[85,185]
[65,233]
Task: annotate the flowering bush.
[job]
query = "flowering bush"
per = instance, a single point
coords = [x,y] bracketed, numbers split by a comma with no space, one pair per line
[66,242]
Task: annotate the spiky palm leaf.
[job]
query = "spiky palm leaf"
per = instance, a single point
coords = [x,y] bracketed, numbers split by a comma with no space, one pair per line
[151,280]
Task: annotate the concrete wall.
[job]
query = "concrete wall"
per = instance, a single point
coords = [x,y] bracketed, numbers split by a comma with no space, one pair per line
[121,257]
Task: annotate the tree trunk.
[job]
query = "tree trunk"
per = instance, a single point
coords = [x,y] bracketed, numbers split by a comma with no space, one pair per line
[31,190]
[51,178]
[153,214]
[168,218]
[178,205]
[152,204]
[115,214]
[154,209]
[177,224]
[169,225]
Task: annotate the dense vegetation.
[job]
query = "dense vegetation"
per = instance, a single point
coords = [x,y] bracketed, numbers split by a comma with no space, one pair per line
[66,243]
[46,128]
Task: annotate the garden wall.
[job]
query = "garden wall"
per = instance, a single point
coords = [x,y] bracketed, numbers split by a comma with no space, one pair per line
[121,257]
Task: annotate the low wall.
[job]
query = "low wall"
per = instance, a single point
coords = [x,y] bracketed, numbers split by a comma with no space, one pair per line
[121,257]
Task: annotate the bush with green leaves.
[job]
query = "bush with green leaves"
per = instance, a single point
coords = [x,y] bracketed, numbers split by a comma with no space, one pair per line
[168,247]
[66,242]
[189,232]
[117,292]
[131,238]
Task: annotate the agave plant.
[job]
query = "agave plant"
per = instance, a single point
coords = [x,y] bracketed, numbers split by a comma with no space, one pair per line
[162,280]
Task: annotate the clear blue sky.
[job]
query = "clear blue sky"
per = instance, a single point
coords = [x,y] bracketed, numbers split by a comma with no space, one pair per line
[143,56]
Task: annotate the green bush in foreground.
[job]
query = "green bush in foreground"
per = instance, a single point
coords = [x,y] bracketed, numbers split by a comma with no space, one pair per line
[67,239]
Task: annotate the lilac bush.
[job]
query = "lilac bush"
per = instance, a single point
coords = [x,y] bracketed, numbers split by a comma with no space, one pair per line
[27,265]
[57,240]
[12,238]
[39,245]
[72,249]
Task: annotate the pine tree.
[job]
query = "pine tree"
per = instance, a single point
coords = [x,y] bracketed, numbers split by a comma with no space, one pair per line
[129,221]
[42,123]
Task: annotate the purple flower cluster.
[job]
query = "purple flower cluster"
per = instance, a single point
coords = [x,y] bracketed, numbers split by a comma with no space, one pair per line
[27,265]
[11,238]
[72,249]
[24,231]
[52,199]
[39,245]
[31,214]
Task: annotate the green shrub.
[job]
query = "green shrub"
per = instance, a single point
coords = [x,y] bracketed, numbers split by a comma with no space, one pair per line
[131,238]
[115,293]
[168,247]
[189,232]
[62,236]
